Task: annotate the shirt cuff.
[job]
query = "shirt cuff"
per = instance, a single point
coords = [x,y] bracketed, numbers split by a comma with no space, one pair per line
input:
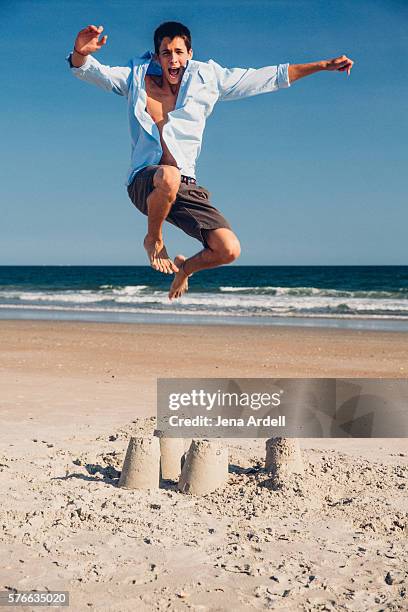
[283,75]
[84,66]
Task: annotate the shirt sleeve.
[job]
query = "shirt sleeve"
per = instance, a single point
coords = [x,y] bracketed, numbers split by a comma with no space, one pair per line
[236,83]
[110,78]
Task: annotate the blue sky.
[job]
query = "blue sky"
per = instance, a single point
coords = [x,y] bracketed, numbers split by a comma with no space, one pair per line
[315,174]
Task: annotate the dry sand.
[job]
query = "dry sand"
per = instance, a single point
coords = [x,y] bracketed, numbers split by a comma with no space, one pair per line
[334,538]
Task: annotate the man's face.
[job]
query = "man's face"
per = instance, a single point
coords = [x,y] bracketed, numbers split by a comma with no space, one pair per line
[173,57]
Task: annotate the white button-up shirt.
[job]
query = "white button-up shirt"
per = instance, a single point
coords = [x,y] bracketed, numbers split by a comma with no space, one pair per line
[203,84]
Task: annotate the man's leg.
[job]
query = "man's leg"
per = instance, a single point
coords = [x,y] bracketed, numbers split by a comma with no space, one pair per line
[166,183]
[223,248]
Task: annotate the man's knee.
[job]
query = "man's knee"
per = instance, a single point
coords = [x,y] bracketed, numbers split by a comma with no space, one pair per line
[230,251]
[167,179]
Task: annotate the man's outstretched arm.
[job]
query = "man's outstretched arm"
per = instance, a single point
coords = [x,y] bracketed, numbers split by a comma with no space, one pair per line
[298,71]
[236,83]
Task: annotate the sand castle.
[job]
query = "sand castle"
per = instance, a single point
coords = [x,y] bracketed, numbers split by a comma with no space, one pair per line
[141,466]
[203,468]
[171,453]
[283,458]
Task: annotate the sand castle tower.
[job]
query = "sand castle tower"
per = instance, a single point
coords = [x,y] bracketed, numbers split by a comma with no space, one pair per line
[283,458]
[171,453]
[141,468]
[205,467]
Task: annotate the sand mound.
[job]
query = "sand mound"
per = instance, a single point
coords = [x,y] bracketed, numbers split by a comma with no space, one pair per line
[337,533]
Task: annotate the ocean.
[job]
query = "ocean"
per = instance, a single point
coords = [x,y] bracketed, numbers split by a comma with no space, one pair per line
[361,297]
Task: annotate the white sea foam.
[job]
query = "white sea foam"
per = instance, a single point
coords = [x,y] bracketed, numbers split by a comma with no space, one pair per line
[243,301]
[315,291]
[237,289]
[129,289]
[68,296]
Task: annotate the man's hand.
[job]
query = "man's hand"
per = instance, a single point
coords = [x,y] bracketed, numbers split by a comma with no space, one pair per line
[342,64]
[87,42]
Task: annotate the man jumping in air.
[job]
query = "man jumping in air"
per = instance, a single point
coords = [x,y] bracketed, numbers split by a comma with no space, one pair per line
[169,98]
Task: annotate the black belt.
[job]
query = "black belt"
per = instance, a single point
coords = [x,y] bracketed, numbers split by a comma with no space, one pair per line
[188,180]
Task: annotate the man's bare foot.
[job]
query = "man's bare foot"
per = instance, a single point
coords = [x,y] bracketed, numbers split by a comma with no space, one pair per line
[180,282]
[158,257]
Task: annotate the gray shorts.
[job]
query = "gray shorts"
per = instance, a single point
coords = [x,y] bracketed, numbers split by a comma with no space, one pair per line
[192,211]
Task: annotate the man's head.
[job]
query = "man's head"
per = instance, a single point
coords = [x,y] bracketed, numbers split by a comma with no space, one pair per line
[172,45]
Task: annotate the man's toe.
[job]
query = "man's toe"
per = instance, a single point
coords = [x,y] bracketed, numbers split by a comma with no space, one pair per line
[164,265]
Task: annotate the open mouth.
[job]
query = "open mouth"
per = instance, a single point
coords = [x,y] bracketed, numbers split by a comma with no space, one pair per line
[174,72]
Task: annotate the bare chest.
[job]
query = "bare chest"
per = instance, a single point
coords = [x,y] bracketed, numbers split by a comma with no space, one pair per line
[159,103]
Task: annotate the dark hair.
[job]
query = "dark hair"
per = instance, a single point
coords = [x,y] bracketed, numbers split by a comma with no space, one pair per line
[171,29]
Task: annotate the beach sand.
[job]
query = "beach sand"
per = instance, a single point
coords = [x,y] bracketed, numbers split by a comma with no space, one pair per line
[71,396]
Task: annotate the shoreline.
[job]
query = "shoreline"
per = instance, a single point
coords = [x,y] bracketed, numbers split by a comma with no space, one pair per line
[346,322]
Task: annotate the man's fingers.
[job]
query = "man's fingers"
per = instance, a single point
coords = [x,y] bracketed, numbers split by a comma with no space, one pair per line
[347,67]
[91,29]
[102,41]
[344,65]
[341,61]
[340,64]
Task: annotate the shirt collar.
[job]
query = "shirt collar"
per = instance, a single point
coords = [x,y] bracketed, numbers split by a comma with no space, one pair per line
[154,67]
